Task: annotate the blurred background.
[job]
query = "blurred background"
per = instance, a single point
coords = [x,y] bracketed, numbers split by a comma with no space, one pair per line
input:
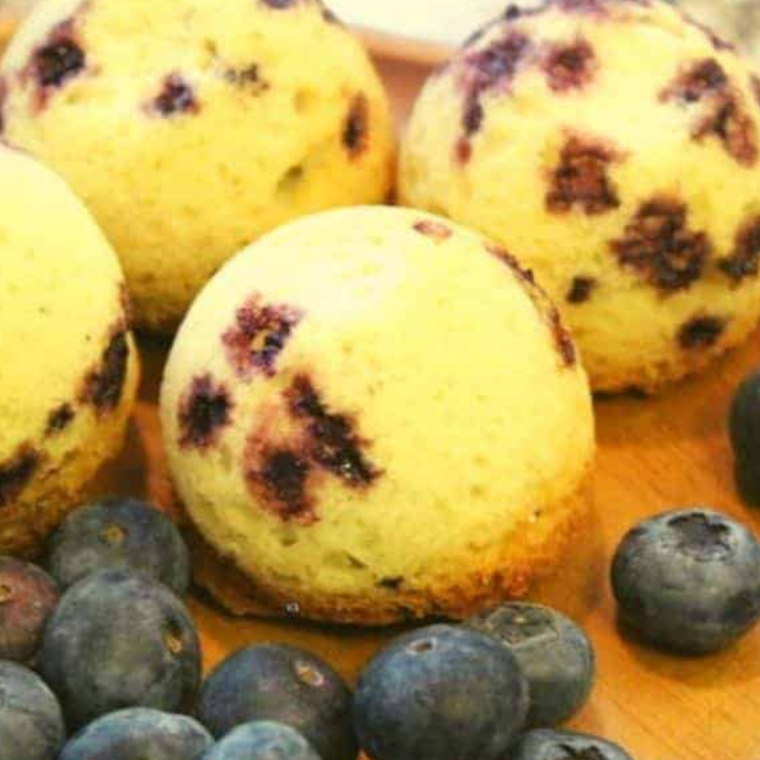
[426,30]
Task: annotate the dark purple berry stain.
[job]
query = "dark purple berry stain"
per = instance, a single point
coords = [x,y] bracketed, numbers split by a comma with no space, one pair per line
[570,66]
[175,98]
[438,231]
[3,99]
[203,411]
[248,77]
[280,4]
[743,262]
[356,128]
[755,83]
[563,342]
[581,289]
[59,419]
[719,107]
[59,59]
[284,475]
[104,385]
[581,179]
[16,472]
[480,71]
[333,442]
[701,332]
[659,246]
[259,335]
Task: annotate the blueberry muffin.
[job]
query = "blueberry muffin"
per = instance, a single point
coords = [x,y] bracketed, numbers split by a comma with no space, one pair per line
[69,370]
[374,414]
[191,127]
[613,148]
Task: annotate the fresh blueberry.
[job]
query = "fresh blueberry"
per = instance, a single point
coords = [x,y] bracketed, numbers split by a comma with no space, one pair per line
[744,429]
[554,654]
[546,744]
[441,693]
[285,684]
[31,722]
[119,535]
[262,740]
[28,597]
[139,734]
[688,581]
[120,640]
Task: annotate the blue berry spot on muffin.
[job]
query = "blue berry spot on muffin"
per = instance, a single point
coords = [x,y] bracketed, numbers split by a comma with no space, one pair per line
[248,77]
[581,289]
[438,231]
[104,385]
[59,59]
[259,335]
[581,179]
[570,66]
[661,248]
[204,410]
[175,98]
[720,112]
[743,262]
[702,331]
[755,83]
[16,472]
[59,419]
[356,129]
[333,442]
[284,474]
[280,4]
[482,70]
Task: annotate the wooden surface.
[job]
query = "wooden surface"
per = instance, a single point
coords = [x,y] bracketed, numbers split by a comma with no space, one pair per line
[654,454]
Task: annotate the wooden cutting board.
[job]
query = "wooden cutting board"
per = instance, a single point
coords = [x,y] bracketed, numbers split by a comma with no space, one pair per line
[654,454]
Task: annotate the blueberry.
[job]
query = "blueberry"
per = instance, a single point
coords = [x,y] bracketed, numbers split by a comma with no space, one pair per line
[28,596]
[262,740]
[554,654]
[120,640]
[284,684]
[440,693]
[139,734]
[31,722]
[688,581]
[744,429]
[546,744]
[119,535]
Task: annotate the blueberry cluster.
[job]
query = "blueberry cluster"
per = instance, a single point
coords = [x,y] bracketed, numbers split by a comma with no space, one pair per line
[100,648]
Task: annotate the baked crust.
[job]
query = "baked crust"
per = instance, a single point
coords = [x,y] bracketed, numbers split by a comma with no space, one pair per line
[505,573]
[26,523]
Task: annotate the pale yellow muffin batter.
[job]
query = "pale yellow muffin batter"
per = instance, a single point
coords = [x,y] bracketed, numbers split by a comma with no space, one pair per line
[69,371]
[613,148]
[191,127]
[373,414]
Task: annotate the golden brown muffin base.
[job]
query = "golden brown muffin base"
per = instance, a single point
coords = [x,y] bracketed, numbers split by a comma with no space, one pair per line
[26,523]
[506,573]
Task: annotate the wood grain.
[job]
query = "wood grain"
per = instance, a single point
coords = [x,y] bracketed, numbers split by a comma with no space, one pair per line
[654,454]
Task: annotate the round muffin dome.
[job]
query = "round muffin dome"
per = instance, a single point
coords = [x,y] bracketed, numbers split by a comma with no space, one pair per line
[612,147]
[374,414]
[70,369]
[191,127]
